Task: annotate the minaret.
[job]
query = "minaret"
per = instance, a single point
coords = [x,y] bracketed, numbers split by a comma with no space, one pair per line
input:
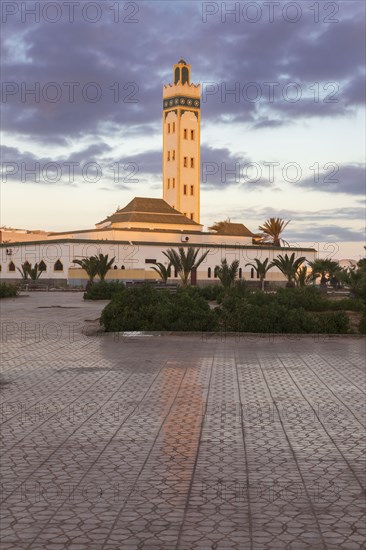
[181,143]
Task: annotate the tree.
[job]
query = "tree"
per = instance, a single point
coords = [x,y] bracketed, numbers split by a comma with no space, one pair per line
[301,276]
[261,269]
[90,266]
[355,279]
[27,271]
[162,271]
[34,272]
[104,265]
[325,269]
[271,231]
[288,267]
[24,270]
[185,262]
[219,226]
[227,273]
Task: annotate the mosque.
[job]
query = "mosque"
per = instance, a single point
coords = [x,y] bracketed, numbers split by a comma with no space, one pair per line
[137,234]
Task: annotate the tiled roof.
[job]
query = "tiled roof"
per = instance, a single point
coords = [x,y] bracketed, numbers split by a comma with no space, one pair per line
[234,229]
[142,209]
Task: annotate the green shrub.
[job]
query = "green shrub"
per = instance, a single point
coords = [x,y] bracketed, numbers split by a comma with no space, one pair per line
[266,315]
[362,325]
[103,290]
[146,309]
[136,308]
[189,311]
[346,304]
[270,318]
[8,291]
[336,322]
[211,292]
[309,298]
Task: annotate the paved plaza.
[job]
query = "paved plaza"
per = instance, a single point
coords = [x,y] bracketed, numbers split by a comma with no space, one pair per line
[186,442]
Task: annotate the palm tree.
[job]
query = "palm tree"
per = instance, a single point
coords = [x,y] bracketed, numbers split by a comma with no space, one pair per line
[184,263]
[90,266]
[271,231]
[27,270]
[325,269]
[288,267]
[24,270]
[34,272]
[227,273]
[162,271]
[301,276]
[104,265]
[219,226]
[261,269]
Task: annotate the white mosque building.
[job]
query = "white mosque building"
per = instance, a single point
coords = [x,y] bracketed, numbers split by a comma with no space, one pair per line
[137,234]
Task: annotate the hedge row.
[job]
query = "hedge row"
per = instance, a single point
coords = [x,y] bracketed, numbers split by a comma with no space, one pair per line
[287,311]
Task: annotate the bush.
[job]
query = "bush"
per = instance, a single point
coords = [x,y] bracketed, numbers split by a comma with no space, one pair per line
[103,290]
[144,308]
[270,318]
[211,292]
[189,311]
[346,304]
[309,298]
[136,308]
[331,323]
[362,326]
[282,313]
[147,309]
[8,291]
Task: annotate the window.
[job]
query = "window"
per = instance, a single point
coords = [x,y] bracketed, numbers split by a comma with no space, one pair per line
[192,190]
[185,162]
[252,273]
[184,189]
[168,155]
[185,133]
[11,266]
[192,216]
[123,267]
[42,266]
[209,273]
[168,183]
[168,128]
[192,134]
[173,183]
[115,267]
[173,127]
[240,273]
[257,275]
[192,162]
[215,272]
[173,155]
[185,214]
[58,266]
[150,261]
[175,273]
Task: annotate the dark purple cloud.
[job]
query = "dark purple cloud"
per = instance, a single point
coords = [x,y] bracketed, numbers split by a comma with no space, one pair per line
[349,179]
[130,62]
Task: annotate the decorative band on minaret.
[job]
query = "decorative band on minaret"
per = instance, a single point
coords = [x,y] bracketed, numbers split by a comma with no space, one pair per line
[181,142]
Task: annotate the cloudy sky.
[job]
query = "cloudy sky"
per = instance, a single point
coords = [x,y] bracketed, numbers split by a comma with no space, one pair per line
[283,120]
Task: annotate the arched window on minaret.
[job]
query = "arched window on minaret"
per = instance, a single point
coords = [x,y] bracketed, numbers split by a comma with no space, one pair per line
[185,75]
[177,75]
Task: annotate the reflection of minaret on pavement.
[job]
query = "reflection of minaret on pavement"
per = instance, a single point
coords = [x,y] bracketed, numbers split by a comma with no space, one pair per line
[181,143]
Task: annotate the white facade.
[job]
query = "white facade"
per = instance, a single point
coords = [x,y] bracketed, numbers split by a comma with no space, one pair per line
[133,259]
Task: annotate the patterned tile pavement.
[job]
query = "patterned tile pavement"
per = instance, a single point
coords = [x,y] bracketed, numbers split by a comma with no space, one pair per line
[186,442]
